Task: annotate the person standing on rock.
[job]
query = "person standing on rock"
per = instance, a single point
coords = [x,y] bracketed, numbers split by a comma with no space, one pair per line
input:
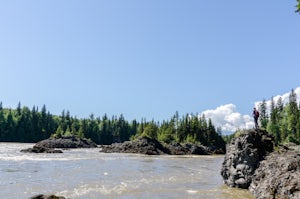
[255,116]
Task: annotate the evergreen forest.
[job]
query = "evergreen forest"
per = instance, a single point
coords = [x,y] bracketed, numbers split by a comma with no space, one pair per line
[281,119]
[32,125]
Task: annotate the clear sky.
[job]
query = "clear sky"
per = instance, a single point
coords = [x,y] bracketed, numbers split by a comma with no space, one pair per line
[147,58]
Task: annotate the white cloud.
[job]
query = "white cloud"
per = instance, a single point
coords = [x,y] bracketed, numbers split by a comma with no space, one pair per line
[284,97]
[228,119]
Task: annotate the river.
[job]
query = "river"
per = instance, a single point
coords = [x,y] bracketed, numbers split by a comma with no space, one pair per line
[89,174]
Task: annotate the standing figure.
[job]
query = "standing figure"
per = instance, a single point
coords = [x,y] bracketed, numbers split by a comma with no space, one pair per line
[255,116]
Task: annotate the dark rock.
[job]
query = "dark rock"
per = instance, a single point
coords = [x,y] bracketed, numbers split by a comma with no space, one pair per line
[176,148]
[49,145]
[149,146]
[195,149]
[243,155]
[38,149]
[142,145]
[278,176]
[66,142]
[41,196]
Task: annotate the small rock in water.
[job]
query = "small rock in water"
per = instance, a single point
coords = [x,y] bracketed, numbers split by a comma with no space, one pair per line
[41,196]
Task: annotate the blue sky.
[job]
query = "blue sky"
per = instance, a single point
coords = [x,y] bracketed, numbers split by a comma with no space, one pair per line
[147,58]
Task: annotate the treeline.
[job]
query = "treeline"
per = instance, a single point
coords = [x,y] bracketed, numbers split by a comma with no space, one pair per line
[25,125]
[281,120]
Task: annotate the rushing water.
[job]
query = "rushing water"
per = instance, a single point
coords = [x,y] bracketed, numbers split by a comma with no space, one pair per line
[88,174]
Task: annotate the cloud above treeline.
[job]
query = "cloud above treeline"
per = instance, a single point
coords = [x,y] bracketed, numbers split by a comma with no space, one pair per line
[229,119]
[284,98]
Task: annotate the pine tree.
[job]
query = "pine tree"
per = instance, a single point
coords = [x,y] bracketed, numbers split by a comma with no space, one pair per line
[59,132]
[19,109]
[2,122]
[273,125]
[263,116]
[292,115]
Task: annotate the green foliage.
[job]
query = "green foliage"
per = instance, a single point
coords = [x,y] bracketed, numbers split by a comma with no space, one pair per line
[298,6]
[25,125]
[263,118]
[150,131]
[291,138]
[284,120]
[190,139]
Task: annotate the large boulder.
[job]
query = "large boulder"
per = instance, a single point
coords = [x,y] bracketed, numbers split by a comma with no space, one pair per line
[66,142]
[243,155]
[278,176]
[50,145]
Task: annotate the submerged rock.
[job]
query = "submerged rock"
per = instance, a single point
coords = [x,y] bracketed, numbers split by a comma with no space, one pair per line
[41,196]
[278,176]
[37,149]
[243,155]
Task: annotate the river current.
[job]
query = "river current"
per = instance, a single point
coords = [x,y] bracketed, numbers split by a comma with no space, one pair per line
[89,174]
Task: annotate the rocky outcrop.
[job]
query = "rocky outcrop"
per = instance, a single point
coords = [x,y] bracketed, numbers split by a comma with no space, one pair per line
[37,149]
[243,155]
[41,196]
[149,146]
[278,176]
[66,143]
[188,149]
[251,162]
[50,145]
[142,145]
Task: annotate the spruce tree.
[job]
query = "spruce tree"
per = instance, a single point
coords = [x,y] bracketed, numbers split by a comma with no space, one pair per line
[273,125]
[263,116]
[292,115]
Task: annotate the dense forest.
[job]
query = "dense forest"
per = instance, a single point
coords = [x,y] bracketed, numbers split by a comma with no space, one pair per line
[280,119]
[25,125]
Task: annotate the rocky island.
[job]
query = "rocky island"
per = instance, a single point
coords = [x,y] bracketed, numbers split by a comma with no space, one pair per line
[150,146]
[253,162]
[66,142]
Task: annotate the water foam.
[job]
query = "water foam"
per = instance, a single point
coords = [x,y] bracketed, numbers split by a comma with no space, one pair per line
[88,190]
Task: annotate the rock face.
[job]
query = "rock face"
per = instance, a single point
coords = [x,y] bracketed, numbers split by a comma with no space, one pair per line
[243,155]
[278,176]
[41,196]
[251,163]
[149,146]
[66,142]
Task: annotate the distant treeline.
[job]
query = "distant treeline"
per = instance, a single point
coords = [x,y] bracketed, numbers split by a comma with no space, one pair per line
[279,119]
[25,125]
